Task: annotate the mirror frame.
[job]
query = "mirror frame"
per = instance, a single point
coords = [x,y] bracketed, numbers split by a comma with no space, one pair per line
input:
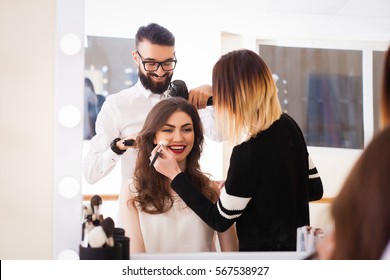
[67,210]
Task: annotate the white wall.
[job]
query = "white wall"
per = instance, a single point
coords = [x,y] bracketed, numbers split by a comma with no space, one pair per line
[27,63]
[41,73]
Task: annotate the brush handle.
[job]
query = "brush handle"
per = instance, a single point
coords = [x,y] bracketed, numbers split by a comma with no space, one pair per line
[155,158]
[129,142]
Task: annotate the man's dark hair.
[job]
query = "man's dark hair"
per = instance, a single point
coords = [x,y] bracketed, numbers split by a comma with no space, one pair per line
[156,34]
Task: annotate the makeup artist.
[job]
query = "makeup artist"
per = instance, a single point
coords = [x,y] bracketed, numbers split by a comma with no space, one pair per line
[157,220]
[271,178]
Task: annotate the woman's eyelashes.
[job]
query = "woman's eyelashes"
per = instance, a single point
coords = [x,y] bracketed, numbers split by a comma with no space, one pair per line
[185,129]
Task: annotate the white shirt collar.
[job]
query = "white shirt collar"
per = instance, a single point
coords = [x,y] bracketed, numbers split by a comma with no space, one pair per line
[148,93]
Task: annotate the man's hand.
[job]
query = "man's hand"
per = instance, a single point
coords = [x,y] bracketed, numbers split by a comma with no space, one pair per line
[199,96]
[123,144]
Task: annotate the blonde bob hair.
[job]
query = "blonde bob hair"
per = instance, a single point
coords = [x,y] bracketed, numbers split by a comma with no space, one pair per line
[245,95]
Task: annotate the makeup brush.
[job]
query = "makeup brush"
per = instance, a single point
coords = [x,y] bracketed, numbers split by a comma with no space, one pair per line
[161,143]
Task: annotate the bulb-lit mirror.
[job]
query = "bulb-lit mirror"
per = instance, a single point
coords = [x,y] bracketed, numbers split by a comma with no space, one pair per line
[204,30]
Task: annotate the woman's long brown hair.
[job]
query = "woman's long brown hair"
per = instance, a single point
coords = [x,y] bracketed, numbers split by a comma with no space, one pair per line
[153,190]
[361,209]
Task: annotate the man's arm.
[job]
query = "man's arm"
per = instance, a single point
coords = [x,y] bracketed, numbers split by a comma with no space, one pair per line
[199,97]
[210,127]
[101,159]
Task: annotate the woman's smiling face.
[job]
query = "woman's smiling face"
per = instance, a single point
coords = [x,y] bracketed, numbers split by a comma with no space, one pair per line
[179,132]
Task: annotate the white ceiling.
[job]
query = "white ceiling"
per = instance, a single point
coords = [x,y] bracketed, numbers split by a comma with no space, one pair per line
[367,20]
[331,19]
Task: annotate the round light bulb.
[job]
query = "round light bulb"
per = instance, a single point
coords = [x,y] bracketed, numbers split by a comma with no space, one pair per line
[70,44]
[69,187]
[69,116]
[68,255]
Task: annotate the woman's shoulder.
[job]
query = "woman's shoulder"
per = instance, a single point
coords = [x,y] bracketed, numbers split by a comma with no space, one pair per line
[130,184]
[280,128]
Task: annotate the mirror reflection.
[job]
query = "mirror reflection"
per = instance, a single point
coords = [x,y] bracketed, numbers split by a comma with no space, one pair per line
[110,68]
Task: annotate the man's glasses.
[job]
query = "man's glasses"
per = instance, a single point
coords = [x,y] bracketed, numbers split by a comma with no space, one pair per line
[151,66]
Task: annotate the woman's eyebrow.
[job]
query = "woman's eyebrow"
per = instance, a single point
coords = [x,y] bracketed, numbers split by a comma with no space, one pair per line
[171,125]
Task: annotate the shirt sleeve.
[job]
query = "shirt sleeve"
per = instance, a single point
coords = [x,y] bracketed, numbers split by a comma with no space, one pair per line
[100,159]
[211,130]
[315,188]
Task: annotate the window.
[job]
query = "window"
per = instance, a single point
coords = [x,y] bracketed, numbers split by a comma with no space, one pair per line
[322,90]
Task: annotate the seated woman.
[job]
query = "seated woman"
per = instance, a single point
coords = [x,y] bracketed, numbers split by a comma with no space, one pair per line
[157,220]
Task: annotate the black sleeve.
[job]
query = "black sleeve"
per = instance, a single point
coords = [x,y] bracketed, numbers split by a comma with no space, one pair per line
[315,189]
[203,207]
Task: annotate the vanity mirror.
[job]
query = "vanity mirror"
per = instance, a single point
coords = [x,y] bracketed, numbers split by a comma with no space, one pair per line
[203,31]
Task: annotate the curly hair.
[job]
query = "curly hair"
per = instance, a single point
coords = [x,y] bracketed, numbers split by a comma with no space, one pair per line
[153,190]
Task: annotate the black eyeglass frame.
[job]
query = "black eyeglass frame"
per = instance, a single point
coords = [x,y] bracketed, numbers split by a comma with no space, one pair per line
[158,63]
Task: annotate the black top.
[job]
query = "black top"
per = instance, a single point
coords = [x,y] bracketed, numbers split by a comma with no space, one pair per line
[267,190]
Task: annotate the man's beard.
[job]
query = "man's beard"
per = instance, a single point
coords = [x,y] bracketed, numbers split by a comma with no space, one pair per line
[157,88]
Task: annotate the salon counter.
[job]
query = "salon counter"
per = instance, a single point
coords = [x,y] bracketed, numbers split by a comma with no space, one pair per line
[223,256]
